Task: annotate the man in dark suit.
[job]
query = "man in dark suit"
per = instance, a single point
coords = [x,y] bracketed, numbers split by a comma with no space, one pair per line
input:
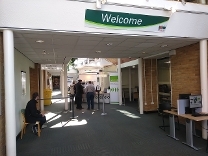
[78,94]
[32,114]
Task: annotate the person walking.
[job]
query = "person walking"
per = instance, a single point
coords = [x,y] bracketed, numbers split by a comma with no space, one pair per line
[90,91]
[78,94]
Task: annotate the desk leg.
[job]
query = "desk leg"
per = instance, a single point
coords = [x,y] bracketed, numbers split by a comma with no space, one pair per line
[194,129]
[189,134]
[172,127]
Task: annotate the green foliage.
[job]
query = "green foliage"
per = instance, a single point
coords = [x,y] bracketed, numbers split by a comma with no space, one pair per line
[71,62]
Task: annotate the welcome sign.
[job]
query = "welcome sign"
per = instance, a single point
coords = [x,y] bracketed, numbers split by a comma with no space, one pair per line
[118,20]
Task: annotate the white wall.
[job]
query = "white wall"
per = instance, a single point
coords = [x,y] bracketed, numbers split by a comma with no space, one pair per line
[21,63]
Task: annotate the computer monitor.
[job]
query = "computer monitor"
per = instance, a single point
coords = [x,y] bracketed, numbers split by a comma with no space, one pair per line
[184,96]
[195,101]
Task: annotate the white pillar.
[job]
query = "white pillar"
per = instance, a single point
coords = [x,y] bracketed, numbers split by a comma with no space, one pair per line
[202,1]
[119,82]
[204,84]
[129,83]
[140,75]
[62,83]
[50,82]
[46,79]
[10,119]
[65,87]
[41,91]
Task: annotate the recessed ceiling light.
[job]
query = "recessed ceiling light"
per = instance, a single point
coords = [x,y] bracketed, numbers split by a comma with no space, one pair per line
[143,52]
[98,51]
[109,44]
[39,41]
[164,45]
[167,62]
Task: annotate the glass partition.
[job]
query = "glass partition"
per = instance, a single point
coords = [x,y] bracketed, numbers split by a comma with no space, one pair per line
[164,85]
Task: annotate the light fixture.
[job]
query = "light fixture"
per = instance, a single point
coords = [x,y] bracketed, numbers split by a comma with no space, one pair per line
[99,3]
[39,41]
[98,51]
[143,52]
[167,62]
[164,45]
[109,44]
[173,10]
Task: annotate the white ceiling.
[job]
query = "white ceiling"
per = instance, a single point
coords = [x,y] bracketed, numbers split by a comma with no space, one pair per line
[60,47]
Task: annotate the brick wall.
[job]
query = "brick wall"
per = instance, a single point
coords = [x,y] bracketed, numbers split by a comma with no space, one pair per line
[185,73]
[2,105]
[147,80]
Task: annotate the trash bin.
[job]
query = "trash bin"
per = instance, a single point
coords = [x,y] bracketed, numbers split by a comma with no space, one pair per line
[47,96]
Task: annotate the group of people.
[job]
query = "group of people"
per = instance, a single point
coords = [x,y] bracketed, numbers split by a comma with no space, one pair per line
[79,90]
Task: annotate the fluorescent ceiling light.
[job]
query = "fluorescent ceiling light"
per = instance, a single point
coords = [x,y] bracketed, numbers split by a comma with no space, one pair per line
[39,41]
[109,44]
[167,62]
[164,45]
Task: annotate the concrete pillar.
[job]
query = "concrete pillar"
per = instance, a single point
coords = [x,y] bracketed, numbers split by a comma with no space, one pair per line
[140,82]
[10,119]
[119,82]
[129,83]
[65,88]
[204,84]
[62,83]
[41,91]
[46,79]
[202,1]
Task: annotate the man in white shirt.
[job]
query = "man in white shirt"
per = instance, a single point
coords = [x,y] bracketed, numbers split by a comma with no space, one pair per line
[90,92]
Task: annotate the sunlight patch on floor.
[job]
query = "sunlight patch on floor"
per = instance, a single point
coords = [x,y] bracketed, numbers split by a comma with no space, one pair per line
[51,117]
[58,100]
[128,114]
[74,122]
[54,93]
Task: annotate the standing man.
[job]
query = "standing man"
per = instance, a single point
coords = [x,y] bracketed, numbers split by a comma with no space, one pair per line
[78,94]
[32,114]
[90,91]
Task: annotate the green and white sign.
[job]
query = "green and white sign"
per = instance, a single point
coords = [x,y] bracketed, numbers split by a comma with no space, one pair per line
[113,77]
[119,20]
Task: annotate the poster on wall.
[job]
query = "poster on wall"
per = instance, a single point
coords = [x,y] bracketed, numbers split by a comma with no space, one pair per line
[113,78]
[23,79]
[56,82]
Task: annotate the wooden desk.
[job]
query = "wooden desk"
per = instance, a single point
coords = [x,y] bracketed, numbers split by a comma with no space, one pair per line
[189,126]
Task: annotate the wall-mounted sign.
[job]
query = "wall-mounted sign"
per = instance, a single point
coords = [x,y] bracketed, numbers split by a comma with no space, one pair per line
[114,96]
[119,20]
[51,67]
